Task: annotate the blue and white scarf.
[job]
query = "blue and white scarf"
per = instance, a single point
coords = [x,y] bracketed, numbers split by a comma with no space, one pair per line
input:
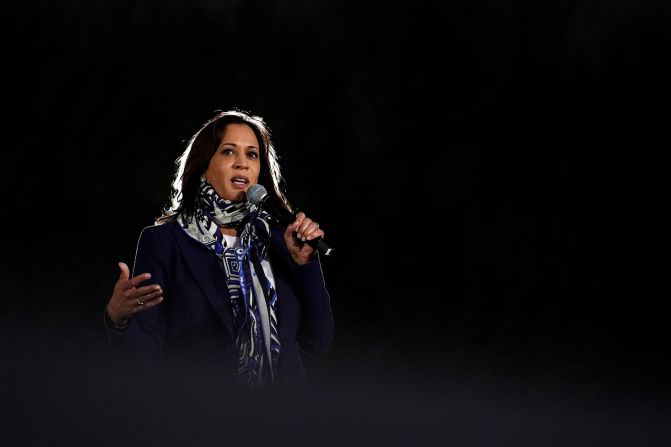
[257,363]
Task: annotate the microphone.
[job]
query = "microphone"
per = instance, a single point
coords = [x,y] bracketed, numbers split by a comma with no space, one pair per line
[257,195]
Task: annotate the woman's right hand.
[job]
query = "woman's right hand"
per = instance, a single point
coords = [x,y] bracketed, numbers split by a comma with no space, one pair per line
[128,300]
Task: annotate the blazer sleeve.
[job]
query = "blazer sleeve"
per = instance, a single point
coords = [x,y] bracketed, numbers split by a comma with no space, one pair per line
[315,330]
[142,342]
[315,327]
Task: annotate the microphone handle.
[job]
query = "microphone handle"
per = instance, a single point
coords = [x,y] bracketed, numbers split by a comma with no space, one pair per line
[319,244]
[286,217]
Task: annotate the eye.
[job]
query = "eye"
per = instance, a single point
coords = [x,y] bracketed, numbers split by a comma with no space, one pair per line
[253,154]
[228,151]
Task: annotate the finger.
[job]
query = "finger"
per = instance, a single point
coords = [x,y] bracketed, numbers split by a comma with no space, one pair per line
[124,273]
[297,223]
[135,296]
[144,305]
[135,280]
[314,233]
[312,230]
[153,302]
[306,225]
[141,292]
[145,290]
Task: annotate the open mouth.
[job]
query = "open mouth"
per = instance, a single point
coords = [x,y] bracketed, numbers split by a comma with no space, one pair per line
[240,181]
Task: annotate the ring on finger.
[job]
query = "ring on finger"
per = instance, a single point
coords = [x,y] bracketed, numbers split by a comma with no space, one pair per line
[139,302]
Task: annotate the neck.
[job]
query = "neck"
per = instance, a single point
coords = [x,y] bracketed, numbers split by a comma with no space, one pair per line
[229,231]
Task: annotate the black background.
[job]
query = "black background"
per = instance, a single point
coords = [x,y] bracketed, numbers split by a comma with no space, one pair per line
[491,174]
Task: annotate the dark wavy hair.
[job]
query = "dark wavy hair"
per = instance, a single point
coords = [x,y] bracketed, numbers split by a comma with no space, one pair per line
[195,159]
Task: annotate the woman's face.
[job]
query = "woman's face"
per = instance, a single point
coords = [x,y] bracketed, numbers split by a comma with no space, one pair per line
[236,164]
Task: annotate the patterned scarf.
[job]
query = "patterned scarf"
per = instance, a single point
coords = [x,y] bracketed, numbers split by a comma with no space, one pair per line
[257,362]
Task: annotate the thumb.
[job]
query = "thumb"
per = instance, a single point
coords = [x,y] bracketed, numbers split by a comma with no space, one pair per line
[125,273]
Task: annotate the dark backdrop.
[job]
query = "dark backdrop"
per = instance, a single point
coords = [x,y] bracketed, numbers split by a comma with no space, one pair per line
[491,174]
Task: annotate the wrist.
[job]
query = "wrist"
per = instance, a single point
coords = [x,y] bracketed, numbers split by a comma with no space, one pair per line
[116,321]
[121,324]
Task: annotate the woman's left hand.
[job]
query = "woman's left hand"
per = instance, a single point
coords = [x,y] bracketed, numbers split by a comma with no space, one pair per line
[297,233]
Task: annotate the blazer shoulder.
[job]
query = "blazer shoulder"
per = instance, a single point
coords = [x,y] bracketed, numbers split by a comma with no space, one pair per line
[160,231]
[157,237]
[162,228]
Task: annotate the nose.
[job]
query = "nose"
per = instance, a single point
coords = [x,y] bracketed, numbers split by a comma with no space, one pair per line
[240,163]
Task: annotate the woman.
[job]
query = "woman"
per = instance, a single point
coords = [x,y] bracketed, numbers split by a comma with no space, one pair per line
[217,283]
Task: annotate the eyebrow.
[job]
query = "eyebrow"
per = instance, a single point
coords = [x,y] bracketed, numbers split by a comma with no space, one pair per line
[235,145]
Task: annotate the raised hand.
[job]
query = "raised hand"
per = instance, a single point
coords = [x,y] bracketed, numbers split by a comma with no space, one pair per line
[128,299]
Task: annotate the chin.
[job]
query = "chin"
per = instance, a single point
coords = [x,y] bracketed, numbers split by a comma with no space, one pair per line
[239,196]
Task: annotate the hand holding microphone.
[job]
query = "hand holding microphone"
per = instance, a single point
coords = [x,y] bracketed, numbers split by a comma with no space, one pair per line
[301,230]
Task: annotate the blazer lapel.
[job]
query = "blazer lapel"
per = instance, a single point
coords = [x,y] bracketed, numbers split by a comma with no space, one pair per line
[208,274]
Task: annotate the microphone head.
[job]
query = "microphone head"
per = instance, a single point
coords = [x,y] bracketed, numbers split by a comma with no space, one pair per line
[256,193]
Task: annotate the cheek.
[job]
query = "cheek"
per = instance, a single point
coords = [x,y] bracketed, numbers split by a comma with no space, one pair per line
[257,171]
[211,168]
[216,169]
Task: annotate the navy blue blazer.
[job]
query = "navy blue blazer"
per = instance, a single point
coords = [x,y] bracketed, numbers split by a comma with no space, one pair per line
[193,326]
